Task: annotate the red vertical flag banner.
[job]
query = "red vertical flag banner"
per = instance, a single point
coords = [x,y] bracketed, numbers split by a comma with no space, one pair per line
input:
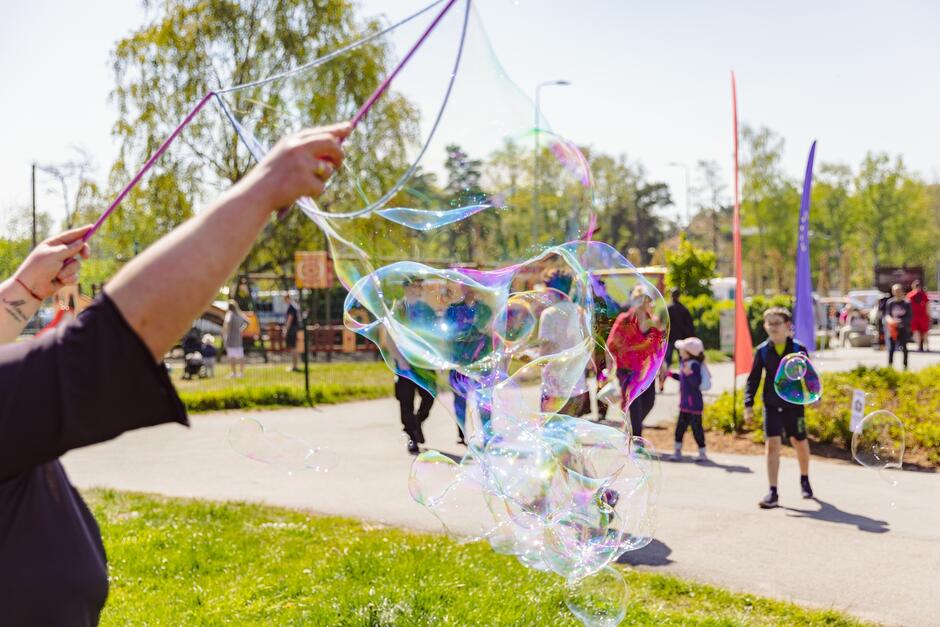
[743,346]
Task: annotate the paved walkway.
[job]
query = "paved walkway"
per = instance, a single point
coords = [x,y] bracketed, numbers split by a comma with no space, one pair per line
[864,546]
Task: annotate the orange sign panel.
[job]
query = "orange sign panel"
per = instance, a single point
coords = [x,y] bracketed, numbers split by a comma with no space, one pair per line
[313,269]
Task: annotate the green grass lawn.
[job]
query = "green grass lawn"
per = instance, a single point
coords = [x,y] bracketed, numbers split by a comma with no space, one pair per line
[185,562]
[271,385]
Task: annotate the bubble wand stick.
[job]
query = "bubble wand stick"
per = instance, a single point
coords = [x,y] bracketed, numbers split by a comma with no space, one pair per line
[385,84]
[360,114]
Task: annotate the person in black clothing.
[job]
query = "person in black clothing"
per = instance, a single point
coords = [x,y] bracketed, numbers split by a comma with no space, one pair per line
[61,391]
[681,327]
[880,319]
[291,327]
[414,311]
[780,416]
[897,321]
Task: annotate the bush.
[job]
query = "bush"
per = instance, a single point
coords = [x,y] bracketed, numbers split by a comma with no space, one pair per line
[913,396]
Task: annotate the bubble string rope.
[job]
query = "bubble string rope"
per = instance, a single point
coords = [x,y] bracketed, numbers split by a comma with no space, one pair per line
[360,114]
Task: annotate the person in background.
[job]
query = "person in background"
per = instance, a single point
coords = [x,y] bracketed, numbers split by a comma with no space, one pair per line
[291,328]
[209,354]
[853,322]
[467,320]
[416,314]
[634,340]
[877,318]
[562,326]
[232,326]
[681,326]
[897,318]
[691,362]
[920,314]
[780,416]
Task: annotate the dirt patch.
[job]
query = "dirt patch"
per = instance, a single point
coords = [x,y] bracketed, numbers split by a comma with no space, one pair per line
[663,435]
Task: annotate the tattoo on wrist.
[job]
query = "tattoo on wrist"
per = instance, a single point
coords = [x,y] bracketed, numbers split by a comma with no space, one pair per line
[15,309]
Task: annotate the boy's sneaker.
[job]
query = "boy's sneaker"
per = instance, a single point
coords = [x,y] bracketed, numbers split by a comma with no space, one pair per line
[770,501]
[413,447]
[806,489]
[702,455]
[676,456]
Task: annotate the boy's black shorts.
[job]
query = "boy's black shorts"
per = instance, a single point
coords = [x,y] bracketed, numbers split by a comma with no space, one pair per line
[778,420]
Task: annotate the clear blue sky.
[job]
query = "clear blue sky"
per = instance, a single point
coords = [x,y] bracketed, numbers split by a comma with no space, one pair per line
[650,79]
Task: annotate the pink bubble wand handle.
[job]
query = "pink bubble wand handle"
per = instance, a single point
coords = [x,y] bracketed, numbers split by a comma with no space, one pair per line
[152,160]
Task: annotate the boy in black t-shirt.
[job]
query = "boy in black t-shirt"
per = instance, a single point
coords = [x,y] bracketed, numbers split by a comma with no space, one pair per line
[780,416]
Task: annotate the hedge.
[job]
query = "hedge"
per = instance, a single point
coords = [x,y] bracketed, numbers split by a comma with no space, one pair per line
[913,396]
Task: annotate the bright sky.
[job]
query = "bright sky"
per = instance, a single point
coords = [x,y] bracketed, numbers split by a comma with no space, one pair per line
[650,79]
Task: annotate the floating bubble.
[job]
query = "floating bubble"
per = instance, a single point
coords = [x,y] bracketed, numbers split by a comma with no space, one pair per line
[599,600]
[432,474]
[878,441]
[797,381]
[249,438]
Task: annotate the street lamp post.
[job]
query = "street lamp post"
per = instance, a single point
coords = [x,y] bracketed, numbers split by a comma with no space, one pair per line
[33,188]
[535,181]
[688,204]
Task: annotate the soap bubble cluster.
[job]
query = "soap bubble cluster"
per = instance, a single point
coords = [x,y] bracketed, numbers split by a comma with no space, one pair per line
[458,265]
[797,381]
[560,493]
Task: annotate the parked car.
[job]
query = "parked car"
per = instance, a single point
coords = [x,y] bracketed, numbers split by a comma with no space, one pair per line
[865,299]
[934,306]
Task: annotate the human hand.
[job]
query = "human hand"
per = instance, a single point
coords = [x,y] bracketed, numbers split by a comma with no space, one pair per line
[748,414]
[298,165]
[54,263]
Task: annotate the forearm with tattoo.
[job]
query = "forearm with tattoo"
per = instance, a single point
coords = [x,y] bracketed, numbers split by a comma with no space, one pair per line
[18,307]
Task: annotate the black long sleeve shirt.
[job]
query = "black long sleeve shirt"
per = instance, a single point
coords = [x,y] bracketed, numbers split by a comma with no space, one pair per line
[87,382]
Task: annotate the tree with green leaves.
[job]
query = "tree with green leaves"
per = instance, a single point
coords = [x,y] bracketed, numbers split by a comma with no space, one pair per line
[770,208]
[689,268]
[833,222]
[190,47]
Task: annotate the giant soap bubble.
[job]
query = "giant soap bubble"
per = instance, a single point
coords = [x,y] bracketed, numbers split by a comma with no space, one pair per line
[481,270]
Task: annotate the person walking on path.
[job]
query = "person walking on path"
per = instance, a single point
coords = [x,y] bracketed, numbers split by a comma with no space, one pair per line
[467,319]
[690,376]
[233,325]
[291,328]
[416,314]
[780,416]
[561,327]
[920,314]
[634,340]
[898,316]
[681,326]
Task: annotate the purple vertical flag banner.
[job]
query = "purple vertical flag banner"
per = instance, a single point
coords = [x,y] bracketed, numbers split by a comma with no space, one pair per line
[804,322]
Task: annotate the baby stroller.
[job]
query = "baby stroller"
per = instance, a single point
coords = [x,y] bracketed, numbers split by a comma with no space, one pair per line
[194,365]
[193,361]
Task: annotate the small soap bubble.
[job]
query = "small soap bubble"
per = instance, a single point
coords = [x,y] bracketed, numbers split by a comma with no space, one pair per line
[249,438]
[797,381]
[598,600]
[878,441]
